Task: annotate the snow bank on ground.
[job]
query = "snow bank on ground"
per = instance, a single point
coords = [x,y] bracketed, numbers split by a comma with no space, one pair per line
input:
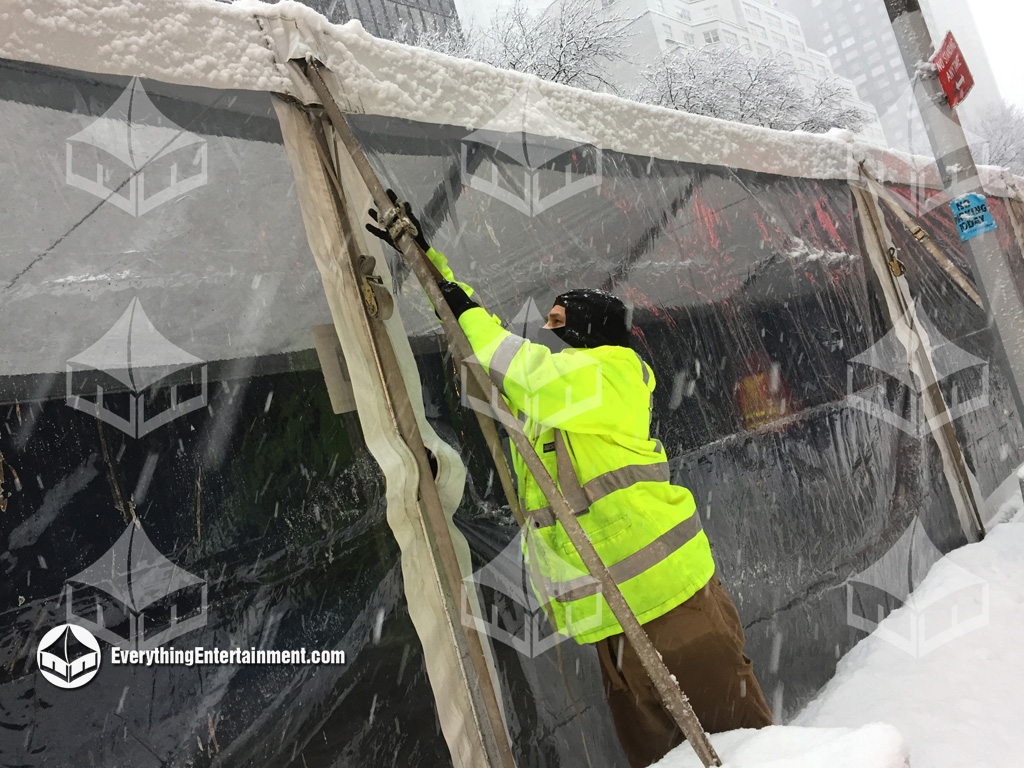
[954,699]
[248,44]
[957,705]
[872,746]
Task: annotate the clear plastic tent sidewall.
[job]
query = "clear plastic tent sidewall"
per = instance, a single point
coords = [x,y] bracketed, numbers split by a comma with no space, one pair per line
[177,478]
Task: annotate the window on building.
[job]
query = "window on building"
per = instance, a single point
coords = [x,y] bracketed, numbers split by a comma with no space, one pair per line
[860,79]
[875,57]
[806,66]
[667,29]
[852,55]
[763,49]
[780,40]
[896,61]
[831,51]
[773,21]
[751,11]
[794,29]
[729,37]
[688,38]
[608,3]
[786,57]
[747,45]
[759,31]
[659,6]
[827,39]
[822,70]
[847,42]
[685,14]
[711,36]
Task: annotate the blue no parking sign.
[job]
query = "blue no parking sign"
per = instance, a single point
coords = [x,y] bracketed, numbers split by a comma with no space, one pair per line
[972,217]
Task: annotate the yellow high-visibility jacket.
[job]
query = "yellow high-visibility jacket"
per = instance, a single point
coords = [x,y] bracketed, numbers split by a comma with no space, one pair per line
[587,412]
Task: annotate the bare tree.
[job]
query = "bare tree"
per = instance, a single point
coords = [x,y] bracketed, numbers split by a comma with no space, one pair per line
[571,42]
[1002,127]
[826,109]
[452,40]
[731,83]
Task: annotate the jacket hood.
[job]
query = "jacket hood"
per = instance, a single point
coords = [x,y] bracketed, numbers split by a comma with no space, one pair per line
[593,318]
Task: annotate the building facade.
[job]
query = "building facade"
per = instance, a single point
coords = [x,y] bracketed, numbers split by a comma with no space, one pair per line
[387,18]
[859,41]
[756,25]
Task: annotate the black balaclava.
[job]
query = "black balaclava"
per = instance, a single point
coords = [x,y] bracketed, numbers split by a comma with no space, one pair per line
[593,318]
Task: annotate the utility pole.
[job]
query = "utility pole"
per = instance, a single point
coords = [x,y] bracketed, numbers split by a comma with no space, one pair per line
[959,175]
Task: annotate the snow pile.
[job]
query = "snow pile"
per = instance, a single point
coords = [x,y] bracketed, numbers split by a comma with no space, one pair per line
[872,746]
[958,704]
[954,700]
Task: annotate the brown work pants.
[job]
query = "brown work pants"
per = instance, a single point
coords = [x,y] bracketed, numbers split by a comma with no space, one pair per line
[701,642]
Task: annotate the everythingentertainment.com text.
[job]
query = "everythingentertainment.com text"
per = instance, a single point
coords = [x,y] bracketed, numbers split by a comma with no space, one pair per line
[199,656]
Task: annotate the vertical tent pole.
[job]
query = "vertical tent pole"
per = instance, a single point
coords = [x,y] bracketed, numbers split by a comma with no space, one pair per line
[455,661]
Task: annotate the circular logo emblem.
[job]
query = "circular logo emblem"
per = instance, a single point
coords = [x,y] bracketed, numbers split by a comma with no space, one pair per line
[68,656]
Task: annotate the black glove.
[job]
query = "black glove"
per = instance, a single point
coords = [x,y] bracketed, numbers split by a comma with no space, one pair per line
[455,298]
[384,235]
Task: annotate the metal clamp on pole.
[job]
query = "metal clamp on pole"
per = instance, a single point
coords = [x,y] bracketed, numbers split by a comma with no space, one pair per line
[397,222]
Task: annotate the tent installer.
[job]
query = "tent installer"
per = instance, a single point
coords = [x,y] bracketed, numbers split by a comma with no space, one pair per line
[645,529]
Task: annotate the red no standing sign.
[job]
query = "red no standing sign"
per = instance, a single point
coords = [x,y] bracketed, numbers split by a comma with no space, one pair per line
[953,72]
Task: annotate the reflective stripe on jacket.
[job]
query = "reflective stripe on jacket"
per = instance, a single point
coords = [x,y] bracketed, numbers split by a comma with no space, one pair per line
[587,413]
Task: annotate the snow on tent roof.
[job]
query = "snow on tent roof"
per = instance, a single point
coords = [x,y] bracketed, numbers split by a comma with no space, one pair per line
[529,115]
[248,45]
[134,131]
[135,572]
[134,352]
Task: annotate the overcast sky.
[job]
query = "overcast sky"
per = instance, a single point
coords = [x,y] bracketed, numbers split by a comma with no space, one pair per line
[1000,23]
